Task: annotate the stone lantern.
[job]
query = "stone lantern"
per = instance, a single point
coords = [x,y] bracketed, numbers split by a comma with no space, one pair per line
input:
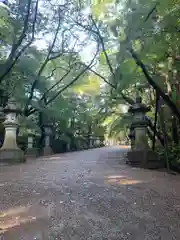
[68,147]
[91,141]
[31,151]
[139,110]
[141,155]
[2,116]
[132,136]
[2,100]
[10,152]
[101,141]
[98,141]
[47,150]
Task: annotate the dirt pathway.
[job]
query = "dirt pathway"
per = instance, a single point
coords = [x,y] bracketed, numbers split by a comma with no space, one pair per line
[88,195]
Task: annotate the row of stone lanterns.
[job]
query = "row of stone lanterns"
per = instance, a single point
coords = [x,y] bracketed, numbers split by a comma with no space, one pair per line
[31,150]
[10,152]
[95,141]
[140,155]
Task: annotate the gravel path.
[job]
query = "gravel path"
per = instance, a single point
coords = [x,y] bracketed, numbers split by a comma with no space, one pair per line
[88,195]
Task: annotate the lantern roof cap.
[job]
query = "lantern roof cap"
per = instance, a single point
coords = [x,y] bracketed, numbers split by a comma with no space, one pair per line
[138,106]
[12,106]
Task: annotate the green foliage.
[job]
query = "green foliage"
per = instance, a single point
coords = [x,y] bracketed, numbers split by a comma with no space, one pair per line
[41,78]
[173,155]
[6,29]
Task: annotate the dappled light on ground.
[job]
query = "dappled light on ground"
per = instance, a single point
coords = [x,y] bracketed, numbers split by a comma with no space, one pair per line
[125,146]
[84,197]
[122,180]
[14,217]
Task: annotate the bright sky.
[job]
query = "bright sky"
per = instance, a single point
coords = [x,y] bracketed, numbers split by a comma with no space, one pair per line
[87,52]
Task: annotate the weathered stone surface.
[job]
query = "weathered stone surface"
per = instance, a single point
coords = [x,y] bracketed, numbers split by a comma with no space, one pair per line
[10,152]
[144,158]
[32,152]
[47,151]
[11,156]
[140,154]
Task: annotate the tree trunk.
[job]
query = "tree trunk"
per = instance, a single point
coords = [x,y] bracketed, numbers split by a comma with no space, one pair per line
[175,134]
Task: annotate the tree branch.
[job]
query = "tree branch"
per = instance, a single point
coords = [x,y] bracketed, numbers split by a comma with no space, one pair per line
[28,113]
[43,65]
[167,100]
[127,99]
[23,34]
[56,84]
[10,61]
[84,27]
[151,12]
[74,80]
[104,49]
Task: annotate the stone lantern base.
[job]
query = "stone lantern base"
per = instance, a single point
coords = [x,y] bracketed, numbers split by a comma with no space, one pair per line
[47,151]
[32,152]
[12,156]
[144,159]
